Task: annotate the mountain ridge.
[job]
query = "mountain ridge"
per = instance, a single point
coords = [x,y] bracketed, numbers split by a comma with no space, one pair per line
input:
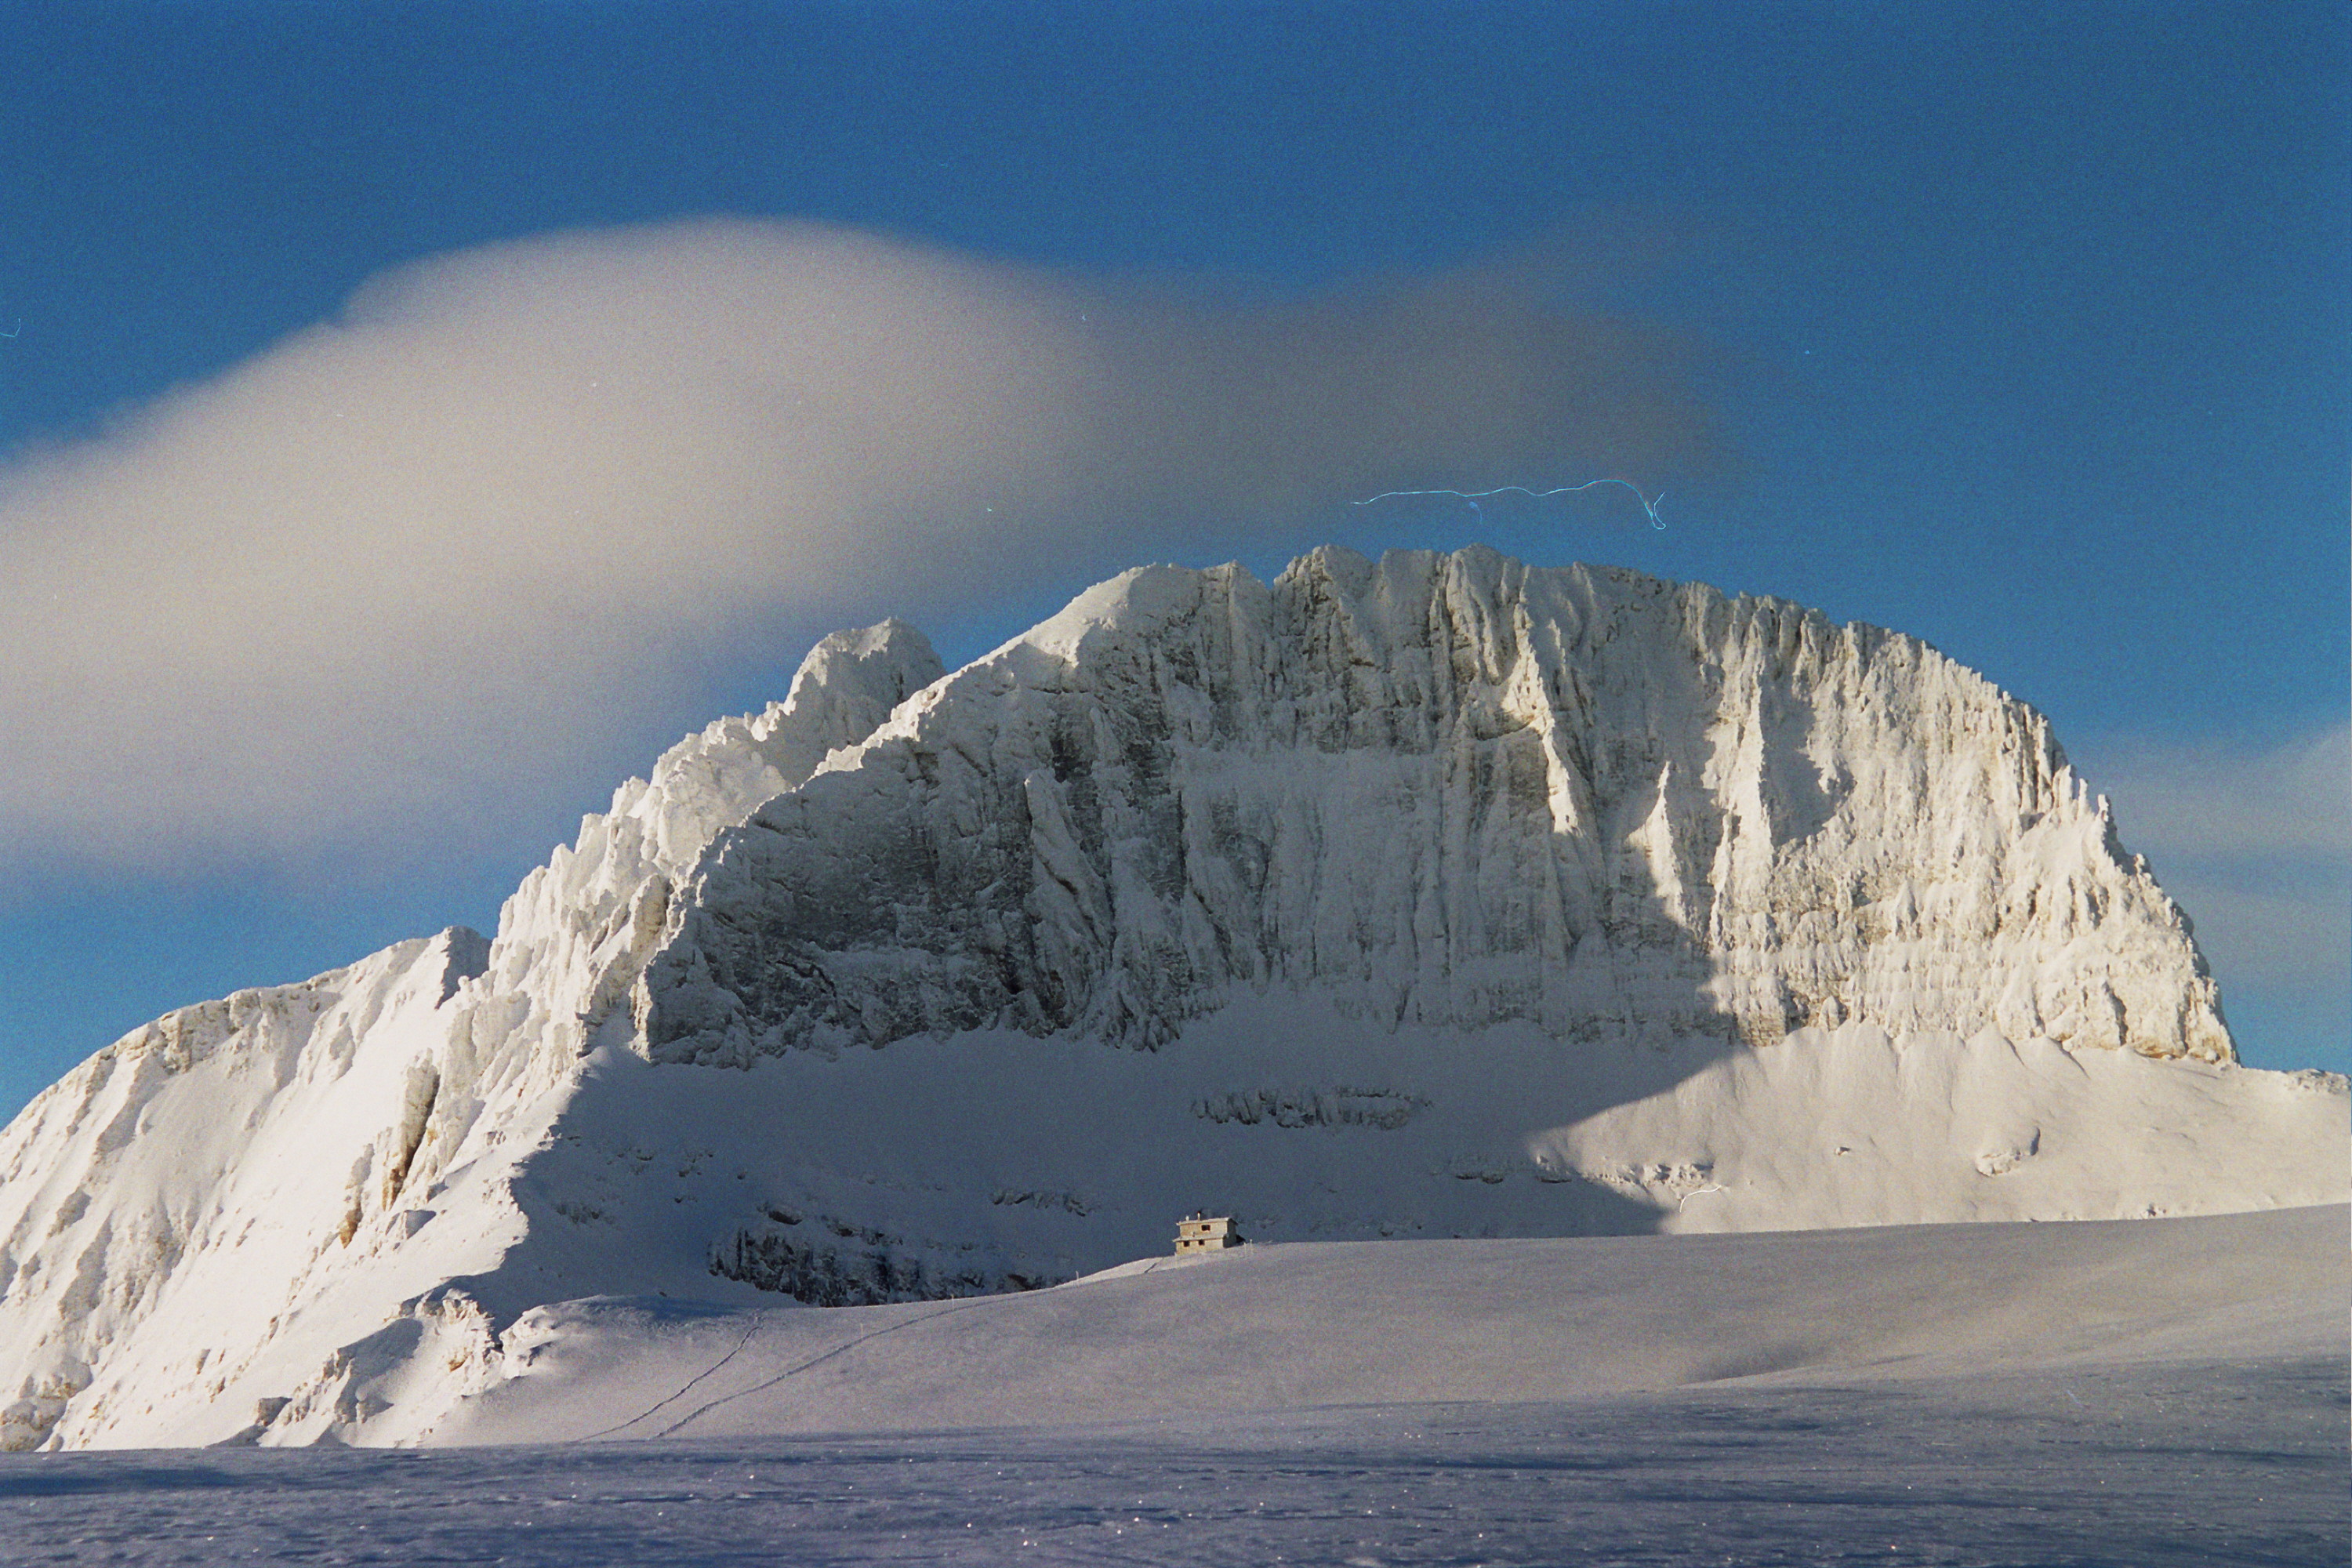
[1225,637]
[1509,899]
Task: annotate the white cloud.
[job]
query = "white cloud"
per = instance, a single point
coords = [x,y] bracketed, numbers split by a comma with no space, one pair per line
[2289,801]
[2256,845]
[371,584]
[2255,936]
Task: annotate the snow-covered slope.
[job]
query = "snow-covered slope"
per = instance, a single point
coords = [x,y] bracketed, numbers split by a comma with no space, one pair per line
[225,1192]
[1354,1323]
[218,1201]
[2164,1394]
[1439,896]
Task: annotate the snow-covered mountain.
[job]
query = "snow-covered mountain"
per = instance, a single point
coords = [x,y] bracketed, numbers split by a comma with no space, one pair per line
[1436,896]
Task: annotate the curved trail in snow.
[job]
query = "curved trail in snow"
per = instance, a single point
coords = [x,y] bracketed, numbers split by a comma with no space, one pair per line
[842,1349]
[684,1389]
[715,1367]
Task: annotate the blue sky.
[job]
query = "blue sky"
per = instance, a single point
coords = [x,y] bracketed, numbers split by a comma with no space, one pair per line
[2022,327]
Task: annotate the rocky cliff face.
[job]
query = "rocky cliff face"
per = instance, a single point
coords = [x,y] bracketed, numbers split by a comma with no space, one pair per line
[1441,895]
[1454,791]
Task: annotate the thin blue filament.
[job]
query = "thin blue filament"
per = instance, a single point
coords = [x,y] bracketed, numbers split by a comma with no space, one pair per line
[1649,504]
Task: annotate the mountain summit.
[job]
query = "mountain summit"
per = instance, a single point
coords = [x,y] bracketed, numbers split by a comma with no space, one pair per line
[1440,895]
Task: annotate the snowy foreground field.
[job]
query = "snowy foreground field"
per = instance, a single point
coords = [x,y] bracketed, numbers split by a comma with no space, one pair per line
[2140,1392]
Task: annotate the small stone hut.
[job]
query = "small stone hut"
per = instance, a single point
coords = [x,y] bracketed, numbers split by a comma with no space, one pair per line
[1205,1233]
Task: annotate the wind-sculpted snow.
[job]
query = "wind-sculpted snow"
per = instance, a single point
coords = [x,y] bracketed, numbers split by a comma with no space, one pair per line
[1453,791]
[1437,897]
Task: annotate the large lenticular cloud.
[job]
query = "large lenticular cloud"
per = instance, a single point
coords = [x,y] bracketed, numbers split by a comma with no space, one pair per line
[402,560]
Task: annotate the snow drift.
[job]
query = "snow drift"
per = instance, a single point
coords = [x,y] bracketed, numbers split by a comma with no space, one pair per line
[1439,896]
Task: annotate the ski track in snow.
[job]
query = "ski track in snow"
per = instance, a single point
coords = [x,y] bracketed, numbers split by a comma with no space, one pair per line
[2164,1467]
[691,1384]
[843,1349]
